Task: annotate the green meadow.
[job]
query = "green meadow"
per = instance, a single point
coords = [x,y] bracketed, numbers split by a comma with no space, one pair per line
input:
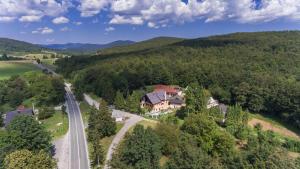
[8,69]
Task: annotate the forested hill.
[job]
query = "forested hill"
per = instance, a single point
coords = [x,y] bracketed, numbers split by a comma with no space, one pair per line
[260,71]
[142,46]
[12,46]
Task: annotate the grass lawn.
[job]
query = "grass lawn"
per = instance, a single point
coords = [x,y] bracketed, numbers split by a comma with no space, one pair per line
[8,69]
[84,108]
[148,123]
[57,125]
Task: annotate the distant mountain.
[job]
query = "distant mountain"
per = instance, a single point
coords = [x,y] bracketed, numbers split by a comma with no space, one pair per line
[143,45]
[86,47]
[15,46]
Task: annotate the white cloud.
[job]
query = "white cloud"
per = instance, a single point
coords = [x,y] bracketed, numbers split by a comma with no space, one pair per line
[50,40]
[109,29]
[33,10]
[30,18]
[153,13]
[246,11]
[160,13]
[65,29]
[60,20]
[135,20]
[77,23]
[44,30]
[95,20]
[7,18]
[92,7]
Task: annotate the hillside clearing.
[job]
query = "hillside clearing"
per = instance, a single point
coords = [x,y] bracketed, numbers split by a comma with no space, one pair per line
[277,129]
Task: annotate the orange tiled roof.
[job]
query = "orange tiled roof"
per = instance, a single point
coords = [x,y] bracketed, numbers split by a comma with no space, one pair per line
[166,88]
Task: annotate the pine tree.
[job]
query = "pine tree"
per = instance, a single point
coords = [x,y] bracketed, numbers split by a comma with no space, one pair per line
[97,154]
[120,101]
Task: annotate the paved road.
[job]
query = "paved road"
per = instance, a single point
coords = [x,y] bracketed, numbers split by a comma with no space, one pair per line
[78,146]
[43,67]
[79,153]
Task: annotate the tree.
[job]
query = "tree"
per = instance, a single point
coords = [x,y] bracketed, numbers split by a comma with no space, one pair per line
[237,122]
[189,155]
[106,124]
[133,102]
[196,98]
[26,133]
[45,112]
[97,155]
[120,101]
[1,120]
[43,160]
[58,90]
[19,159]
[141,149]
[101,125]
[202,128]
[4,56]
[169,137]
[25,159]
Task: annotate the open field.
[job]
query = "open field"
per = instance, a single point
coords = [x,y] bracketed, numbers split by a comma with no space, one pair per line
[57,125]
[8,69]
[269,124]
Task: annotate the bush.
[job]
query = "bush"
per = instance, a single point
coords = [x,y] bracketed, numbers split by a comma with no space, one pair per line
[292,145]
[45,112]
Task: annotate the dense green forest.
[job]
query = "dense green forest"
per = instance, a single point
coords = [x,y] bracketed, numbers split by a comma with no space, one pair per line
[259,71]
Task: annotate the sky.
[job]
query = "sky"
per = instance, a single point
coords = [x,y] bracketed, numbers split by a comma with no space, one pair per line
[103,21]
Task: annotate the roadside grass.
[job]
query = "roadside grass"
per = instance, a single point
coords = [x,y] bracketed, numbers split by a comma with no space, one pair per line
[84,108]
[95,97]
[8,69]
[57,125]
[148,123]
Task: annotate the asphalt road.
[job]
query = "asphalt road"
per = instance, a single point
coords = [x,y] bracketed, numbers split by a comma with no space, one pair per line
[78,145]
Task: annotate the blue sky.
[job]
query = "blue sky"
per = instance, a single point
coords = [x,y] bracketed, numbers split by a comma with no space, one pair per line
[102,21]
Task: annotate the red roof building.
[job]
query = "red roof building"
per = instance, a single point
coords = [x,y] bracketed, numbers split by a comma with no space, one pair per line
[168,89]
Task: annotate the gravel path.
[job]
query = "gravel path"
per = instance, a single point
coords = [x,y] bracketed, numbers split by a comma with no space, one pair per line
[62,152]
[132,119]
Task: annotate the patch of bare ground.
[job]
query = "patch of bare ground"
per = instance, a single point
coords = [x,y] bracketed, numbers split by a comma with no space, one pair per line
[293,154]
[268,126]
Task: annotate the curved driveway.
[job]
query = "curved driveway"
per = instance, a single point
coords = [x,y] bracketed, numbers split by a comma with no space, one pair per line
[131,120]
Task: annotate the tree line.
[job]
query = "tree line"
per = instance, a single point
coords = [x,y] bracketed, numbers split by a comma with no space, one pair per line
[259,71]
[42,90]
